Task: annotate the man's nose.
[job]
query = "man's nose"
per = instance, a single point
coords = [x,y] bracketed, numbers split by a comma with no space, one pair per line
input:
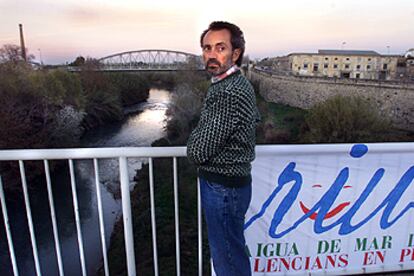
[212,54]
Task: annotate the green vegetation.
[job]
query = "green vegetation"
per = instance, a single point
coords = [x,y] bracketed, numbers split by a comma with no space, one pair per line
[280,123]
[184,110]
[345,119]
[128,85]
[33,103]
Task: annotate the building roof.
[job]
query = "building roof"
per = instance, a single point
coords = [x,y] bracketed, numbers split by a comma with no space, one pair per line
[348,52]
[344,53]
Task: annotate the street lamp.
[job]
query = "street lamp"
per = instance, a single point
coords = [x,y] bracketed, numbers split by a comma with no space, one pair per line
[40,56]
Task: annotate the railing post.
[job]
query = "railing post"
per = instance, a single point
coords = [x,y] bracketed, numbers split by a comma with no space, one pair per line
[101,216]
[177,217]
[8,231]
[200,230]
[127,216]
[29,218]
[153,222]
[53,217]
[77,217]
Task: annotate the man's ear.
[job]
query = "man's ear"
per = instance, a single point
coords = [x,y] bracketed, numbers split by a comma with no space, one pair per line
[235,55]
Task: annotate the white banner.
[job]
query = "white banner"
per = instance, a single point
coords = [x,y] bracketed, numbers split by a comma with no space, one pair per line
[332,209]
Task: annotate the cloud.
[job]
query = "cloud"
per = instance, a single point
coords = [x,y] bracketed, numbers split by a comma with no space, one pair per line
[86,14]
[82,14]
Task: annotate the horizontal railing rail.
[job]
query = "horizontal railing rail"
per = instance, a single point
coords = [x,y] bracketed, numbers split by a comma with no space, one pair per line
[155,152]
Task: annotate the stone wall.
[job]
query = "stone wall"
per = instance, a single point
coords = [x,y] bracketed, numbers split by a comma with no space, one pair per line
[395,100]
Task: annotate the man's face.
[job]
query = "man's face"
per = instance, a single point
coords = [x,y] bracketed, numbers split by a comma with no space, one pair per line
[218,54]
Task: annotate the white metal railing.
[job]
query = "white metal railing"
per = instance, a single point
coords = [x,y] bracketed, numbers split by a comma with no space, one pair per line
[122,154]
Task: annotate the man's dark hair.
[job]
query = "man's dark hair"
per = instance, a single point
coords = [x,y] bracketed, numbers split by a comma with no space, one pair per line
[237,38]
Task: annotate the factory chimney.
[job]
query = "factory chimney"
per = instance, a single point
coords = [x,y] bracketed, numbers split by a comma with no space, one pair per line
[23,47]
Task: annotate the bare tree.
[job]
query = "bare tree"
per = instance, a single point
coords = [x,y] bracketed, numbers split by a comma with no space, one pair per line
[12,53]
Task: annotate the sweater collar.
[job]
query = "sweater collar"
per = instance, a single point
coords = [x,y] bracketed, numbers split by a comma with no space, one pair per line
[222,76]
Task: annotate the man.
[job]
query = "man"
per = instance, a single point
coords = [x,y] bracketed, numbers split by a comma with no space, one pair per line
[222,147]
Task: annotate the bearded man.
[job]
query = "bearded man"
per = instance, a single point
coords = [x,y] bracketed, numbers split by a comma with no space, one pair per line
[222,148]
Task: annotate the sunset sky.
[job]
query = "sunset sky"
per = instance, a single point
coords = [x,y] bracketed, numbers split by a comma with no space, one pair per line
[64,29]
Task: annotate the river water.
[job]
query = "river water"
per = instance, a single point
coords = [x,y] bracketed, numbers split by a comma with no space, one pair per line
[143,124]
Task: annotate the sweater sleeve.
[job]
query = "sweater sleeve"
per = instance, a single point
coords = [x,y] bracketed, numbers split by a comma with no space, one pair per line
[217,123]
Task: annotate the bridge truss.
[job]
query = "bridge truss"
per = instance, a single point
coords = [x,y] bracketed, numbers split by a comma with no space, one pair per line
[151,60]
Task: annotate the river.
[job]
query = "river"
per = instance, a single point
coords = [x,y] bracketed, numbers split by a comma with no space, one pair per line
[144,123]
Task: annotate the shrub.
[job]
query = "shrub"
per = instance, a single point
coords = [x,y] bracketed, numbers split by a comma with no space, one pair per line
[31,102]
[185,107]
[66,129]
[103,101]
[133,88]
[342,119]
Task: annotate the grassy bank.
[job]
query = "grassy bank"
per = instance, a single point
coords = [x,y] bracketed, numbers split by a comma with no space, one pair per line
[281,124]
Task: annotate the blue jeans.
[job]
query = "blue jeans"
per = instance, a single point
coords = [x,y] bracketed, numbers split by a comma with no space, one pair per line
[224,210]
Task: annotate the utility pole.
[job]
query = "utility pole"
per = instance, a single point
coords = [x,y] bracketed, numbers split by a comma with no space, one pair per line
[40,56]
[22,46]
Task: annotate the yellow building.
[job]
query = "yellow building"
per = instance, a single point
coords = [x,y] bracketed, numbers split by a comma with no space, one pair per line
[345,64]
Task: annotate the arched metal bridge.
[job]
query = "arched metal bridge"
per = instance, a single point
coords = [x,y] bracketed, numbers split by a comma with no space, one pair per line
[151,60]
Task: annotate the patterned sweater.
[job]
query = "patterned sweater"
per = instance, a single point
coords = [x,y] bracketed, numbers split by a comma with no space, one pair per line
[222,144]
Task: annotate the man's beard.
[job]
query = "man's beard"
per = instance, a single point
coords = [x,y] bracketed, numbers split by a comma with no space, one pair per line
[215,68]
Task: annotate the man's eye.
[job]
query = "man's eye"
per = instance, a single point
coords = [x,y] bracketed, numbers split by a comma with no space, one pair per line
[221,49]
[206,48]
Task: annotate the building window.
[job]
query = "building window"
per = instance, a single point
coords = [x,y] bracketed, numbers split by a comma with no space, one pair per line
[357,76]
[401,63]
[369,59]
[315,67]
[346,66]
[336,58]
[335,66]
[325,65]
[385,66]
[368,67]
[326,58]
[358,67]
[347,58]
[305,66]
